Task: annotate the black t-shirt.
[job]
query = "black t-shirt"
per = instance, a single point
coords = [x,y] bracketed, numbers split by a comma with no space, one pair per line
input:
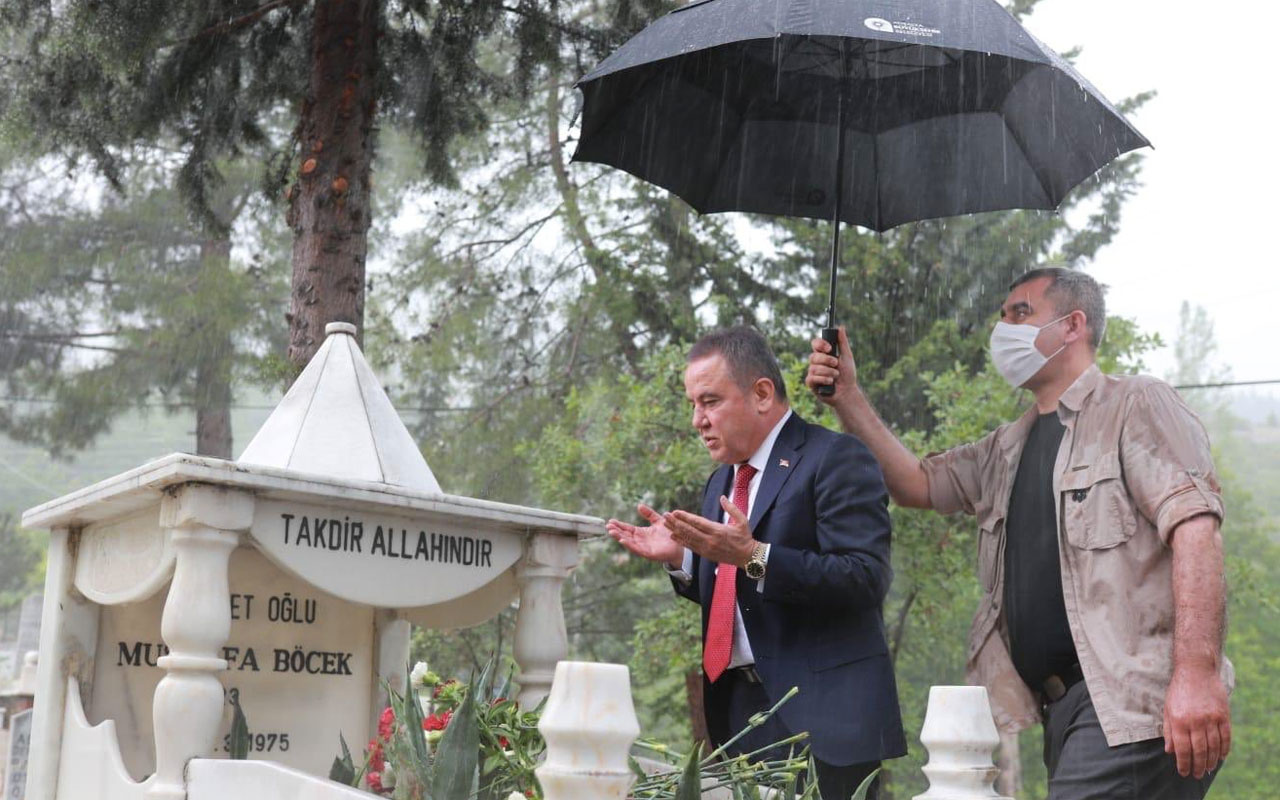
[1039,636]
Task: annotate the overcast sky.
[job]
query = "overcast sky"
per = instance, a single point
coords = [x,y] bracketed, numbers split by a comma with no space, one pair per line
[1203,227]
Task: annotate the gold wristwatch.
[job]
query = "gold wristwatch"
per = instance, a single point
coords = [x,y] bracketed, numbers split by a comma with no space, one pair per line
[755,567]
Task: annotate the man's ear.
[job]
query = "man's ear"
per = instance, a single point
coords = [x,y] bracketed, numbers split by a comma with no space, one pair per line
[764,392]
[1078,325]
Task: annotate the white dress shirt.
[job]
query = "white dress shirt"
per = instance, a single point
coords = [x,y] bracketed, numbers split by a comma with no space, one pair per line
[741,655]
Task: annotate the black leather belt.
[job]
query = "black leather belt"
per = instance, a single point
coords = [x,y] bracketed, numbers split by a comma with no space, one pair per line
[747,673]
[1055,686]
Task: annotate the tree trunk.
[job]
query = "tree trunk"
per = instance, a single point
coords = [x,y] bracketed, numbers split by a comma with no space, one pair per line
[329,199]
[213,366]
[213,412]
[697,716]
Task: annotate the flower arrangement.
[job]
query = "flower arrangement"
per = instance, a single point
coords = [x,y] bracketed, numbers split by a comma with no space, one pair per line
[448,740]
[445,739]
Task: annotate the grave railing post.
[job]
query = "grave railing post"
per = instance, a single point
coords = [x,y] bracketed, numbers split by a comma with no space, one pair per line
[589,724]
[540,637]
[205,524]
[959,733]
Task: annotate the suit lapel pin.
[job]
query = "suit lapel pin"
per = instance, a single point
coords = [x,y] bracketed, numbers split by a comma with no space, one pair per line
[784,463]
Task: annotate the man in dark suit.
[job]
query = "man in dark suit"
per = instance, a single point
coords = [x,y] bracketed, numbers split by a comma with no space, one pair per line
[789,559]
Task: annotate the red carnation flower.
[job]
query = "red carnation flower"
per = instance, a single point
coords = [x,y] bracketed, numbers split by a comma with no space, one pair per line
[437,722]
[377,760]
[386,723]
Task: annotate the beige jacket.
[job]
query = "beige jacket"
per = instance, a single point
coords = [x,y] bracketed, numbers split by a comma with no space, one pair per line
[1133,464]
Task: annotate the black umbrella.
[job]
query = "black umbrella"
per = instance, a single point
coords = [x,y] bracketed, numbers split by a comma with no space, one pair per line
[863,111]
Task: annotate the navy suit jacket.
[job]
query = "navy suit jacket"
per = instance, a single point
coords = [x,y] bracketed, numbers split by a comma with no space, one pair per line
[818,625]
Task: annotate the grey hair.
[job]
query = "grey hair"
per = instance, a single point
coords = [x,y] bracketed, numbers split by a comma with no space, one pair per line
[746,352]
[1073,290]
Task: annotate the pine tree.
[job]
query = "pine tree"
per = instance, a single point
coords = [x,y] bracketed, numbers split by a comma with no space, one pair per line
[119,303]
[89,78]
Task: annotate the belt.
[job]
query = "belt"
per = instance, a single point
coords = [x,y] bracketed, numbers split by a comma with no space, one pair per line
[747,673]
[1055,686]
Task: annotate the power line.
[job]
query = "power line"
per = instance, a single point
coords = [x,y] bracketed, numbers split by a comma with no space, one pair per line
[1225,384]
[236,406]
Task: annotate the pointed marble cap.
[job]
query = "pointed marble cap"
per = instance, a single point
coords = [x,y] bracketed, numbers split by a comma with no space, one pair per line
[337,421]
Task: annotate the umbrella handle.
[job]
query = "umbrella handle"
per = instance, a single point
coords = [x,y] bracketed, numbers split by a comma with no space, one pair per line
[832,337]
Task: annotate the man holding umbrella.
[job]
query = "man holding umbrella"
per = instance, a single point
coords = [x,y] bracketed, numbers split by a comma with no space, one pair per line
[1099,551]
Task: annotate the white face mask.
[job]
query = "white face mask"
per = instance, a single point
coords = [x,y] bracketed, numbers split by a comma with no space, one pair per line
[1013,349]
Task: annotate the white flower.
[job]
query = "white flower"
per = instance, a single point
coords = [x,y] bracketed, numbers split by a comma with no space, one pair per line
[516,796]
[388,777]
[418,673]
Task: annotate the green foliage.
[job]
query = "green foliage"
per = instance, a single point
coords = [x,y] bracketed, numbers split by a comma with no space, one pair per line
[212,76]
[861,792]
[489,750]
[111,306]
[507,767]
[666,653]
[456,767]
[405,747]
[343,769]
[623,441]
[690,786]
[238,746]
[746,775]
[1251,541]
[1123,346]
[21,562]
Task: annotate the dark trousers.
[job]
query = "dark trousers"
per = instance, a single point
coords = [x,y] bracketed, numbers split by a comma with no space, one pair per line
[1082,766]
[746,698]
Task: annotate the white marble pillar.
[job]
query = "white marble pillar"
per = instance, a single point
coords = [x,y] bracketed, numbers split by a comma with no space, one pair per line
[204,524]
[391,634]
[960,734]
[68,640]
[589,724]
[540,638]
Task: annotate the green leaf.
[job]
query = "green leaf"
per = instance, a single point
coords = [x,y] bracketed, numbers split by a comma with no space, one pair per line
[811,791]
[239,744]
[411,714]
[789,788]
[408,709]
[344,769]
[690,787]
[457,764]
[636,769]
[865,786]
[743,783]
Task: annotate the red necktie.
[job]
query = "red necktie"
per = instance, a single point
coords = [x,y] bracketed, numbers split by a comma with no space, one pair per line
[719,643]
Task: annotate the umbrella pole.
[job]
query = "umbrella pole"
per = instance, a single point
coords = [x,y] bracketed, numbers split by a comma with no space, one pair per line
[831,334]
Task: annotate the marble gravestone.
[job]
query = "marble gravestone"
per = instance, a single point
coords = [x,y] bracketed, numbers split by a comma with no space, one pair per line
[15,770]
[28,638]
[299,662]
[285,581]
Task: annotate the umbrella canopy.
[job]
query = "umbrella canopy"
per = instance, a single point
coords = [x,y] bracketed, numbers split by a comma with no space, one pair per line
[866,111]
